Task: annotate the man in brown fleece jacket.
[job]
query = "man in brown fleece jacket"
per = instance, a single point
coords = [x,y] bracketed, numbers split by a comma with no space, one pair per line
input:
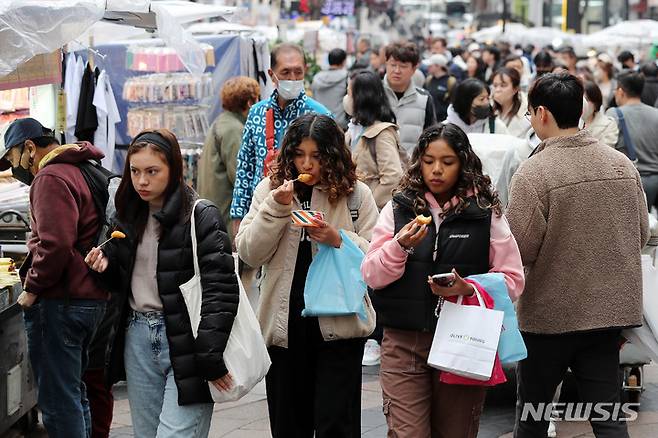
[61,301]
[578,213]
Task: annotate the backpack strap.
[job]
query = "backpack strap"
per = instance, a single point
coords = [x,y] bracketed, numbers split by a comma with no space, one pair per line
[354,202]
[270,157]
[628,142]
[492,125]
[269,129]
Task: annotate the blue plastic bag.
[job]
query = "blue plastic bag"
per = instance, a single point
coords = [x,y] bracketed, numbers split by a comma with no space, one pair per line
[334,284]
[511,347]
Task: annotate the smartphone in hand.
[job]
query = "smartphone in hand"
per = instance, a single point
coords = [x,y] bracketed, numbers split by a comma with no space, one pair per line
[444,280]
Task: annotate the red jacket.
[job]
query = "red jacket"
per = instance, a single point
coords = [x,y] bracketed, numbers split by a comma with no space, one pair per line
[63,218]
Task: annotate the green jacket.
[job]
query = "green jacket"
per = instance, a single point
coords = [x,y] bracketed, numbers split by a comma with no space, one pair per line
[218,162]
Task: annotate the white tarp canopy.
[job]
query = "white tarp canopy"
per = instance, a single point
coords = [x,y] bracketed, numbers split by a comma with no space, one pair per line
[632,34]
[33,27]
[496,32]
[517,33]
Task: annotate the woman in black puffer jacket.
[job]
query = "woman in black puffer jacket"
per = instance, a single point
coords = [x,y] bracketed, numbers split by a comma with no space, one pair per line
[166,367]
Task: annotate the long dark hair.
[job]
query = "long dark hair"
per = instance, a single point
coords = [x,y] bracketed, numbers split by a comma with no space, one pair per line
[131,209]
[470,178]
[594,96]
[515,79]
[465,92]
[480,70]
[337,170]
[370,101]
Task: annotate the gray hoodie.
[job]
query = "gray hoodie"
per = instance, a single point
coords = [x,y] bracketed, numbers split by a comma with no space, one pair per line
[329,87]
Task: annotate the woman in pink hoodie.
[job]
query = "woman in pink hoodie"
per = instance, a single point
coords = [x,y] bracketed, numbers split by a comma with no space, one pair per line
[468,235]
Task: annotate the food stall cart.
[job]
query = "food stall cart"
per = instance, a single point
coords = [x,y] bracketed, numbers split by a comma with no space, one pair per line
[18,390]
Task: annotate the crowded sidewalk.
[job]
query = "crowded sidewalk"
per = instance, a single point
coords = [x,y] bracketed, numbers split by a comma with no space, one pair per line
[248,418]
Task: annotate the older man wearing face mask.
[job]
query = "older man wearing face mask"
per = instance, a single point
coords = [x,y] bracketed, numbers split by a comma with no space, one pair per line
[267,122]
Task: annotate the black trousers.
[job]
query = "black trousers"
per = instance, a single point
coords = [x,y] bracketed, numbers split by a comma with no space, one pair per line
[378,333]
[314,386]
[593,358]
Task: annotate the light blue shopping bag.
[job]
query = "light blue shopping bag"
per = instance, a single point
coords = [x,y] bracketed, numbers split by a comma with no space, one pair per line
[511,347]
[334,285]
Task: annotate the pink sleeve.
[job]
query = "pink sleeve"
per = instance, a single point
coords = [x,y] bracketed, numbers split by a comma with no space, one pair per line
[504,256]
[386,260]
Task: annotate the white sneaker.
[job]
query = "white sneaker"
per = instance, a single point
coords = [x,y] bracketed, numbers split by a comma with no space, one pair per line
[371,354]
[552,433]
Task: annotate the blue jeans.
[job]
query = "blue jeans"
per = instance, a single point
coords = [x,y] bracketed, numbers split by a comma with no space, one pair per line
[152,391]
[58,338]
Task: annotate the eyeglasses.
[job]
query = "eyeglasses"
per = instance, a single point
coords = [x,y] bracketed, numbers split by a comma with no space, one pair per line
[399,67]
[527,115]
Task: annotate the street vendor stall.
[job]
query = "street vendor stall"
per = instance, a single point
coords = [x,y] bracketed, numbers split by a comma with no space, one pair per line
[18,394]
[36,36]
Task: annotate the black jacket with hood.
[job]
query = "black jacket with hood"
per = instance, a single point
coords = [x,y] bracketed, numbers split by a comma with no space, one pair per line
[194,361]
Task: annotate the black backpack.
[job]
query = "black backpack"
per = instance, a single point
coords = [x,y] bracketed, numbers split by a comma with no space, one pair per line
[103,185]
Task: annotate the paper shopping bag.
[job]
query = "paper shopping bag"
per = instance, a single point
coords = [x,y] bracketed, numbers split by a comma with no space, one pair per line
[466,339]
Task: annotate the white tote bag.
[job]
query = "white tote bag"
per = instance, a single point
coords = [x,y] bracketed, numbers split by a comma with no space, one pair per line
[245,356]
[466,339]
[650,291]
[646,336]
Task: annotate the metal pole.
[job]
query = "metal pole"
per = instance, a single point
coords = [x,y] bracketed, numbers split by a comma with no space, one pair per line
[504,14]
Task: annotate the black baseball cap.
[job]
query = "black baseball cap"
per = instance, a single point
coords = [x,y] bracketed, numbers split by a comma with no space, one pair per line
[18,132]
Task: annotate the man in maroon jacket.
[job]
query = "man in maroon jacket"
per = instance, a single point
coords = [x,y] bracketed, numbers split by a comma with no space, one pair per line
[61,300]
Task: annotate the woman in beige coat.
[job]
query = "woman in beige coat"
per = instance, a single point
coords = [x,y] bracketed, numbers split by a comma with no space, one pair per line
[314,383]
[602,127]
[372,135]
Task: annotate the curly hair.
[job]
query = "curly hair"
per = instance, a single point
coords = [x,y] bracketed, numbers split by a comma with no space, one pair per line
[470,178]
[337,170]
[237,92]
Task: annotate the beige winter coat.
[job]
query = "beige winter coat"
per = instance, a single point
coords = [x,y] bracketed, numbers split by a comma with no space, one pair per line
[268,239]
[604,129]
[385,174]
[579,216]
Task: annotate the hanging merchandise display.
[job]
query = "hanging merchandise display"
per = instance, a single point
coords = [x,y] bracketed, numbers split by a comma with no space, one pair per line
[167,88]
[189,123]
[107,115]
[191,153]
[155,97]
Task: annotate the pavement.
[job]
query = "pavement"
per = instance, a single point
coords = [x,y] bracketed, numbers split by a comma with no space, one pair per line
[247,418]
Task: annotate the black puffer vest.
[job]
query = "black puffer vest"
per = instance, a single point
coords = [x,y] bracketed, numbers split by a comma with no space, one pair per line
[194,361]
[462,243]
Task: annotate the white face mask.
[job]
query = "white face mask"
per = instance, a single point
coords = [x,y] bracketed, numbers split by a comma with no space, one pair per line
[289,90]
[588,110]
[348,105]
